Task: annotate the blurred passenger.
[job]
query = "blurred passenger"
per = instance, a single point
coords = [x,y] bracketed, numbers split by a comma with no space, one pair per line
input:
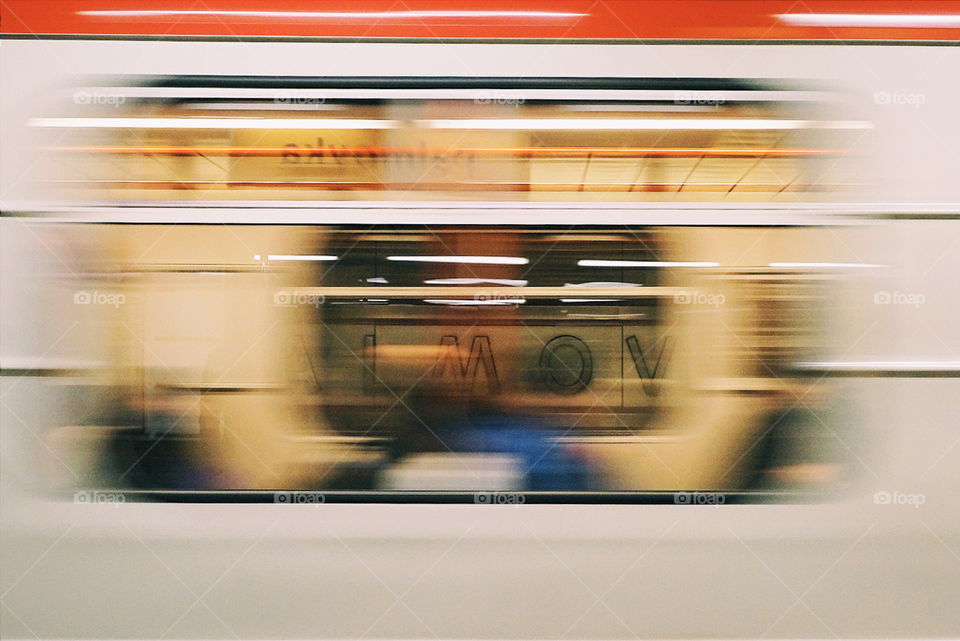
[455,439]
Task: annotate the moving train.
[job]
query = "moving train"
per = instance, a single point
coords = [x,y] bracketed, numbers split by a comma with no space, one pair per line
[678,277]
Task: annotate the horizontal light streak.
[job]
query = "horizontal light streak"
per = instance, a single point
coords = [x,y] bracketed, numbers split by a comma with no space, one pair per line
[903,20]
[215,123]
[505,282]
[603,284]
[324,15]
[488,293]
[644,263]
[714,124]
[475,303]
[517,124]
[462,260]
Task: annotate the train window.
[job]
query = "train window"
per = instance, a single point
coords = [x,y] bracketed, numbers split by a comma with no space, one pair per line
[362,362]
[422,139]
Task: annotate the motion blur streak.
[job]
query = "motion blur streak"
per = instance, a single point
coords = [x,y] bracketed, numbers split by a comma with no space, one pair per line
[555,319]
[344,15]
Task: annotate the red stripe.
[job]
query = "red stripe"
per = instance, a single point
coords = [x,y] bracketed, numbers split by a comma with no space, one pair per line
[630,19]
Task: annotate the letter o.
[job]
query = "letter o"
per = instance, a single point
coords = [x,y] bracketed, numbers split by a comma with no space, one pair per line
[566,364]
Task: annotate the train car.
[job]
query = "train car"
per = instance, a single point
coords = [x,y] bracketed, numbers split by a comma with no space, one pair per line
[488,319]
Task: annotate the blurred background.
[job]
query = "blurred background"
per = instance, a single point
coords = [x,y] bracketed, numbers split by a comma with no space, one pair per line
[621,320]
